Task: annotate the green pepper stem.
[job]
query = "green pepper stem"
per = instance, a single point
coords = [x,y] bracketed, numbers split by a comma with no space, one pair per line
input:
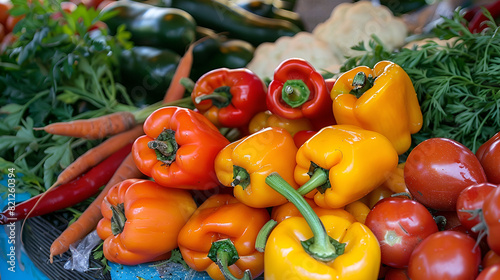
[222,261]
[265,231]
[221,97]
[361,83]
[321,247]
[319,178]
[165,146]
[295,93]
[241,177]
[224,253]
[118,219]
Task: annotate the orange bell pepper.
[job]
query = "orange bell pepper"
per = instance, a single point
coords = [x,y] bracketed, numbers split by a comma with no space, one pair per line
[141,221]
[267,119]
[179,149]
[244,165]
[223,217]
[381,99]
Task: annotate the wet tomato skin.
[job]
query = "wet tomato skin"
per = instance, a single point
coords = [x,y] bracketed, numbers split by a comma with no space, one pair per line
[438,169]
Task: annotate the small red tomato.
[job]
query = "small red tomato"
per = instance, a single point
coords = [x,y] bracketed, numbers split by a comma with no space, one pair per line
[491,214]
[438,169]
[397,274]
[399,225]
[472,199]
[490,273]
[445,255]
[490,258]
[489,156]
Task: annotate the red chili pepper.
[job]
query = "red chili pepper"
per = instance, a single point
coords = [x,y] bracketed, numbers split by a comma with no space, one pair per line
[476,16]
[299,91]
[229,97]
[69,194]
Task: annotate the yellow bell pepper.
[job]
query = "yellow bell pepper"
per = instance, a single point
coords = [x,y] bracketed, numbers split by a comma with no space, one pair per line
[245,163]
[342,163]
[381,99]
[312,247]
[396,181]
[267,119]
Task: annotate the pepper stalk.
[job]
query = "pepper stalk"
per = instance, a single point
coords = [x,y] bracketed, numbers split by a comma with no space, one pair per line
[320,246]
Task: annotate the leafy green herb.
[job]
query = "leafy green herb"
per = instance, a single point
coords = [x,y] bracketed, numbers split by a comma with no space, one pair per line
[456,83]
[58,69]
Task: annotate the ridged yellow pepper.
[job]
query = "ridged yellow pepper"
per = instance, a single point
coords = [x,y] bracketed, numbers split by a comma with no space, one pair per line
[381,99]
[245,163]
[342,163]
[312,247]
[267,119]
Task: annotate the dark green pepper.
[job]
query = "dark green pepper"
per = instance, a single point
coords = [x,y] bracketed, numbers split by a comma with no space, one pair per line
[154,26]
[230,53]
[147,72]
[227,16]
[269,10]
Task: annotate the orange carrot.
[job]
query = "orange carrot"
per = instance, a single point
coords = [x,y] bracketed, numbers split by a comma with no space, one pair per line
[91,216]
[95,128]
[176,90]
[98,154]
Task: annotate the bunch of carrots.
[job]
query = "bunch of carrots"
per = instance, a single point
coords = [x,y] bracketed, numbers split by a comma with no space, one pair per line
[112,157]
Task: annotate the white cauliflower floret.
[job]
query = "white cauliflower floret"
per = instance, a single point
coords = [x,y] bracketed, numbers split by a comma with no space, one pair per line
[268,56]
[352,23]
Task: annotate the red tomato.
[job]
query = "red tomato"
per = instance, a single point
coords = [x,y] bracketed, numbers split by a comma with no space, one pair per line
[397,274]
[472,199]
[490,273]
[438,169]
[445,255]
[489,156]
[491,214]
[490,258]
[399,225]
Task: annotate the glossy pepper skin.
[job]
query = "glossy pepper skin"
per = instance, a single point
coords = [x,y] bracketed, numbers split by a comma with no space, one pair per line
[229,97]
[299,91]
[267,119]
[389,107]
[285,257]
[222,216]
[141,221]
[245,164]
[353,161]
[287,210]
[179,148]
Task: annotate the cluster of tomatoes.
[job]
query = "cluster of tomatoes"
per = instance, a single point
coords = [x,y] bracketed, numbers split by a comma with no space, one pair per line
[448,183]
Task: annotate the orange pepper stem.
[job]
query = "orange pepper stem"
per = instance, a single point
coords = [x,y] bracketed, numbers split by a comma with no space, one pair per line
[224,254]
[319,179]
[265,231]
[361,83]
[118,219]
[241,177]
[320,246]
[221,97]
[295,93]
[165,146]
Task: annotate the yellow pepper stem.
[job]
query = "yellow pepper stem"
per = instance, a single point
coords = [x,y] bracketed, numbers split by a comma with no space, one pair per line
[224,254]
[320,246]
[265,231]
[361,83]
[319,178]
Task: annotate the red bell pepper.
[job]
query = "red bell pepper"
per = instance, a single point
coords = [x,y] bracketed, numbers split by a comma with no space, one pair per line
[179,149]
[229,97]
[299,91]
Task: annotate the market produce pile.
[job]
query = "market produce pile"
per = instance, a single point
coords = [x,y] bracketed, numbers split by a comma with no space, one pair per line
[243,146]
